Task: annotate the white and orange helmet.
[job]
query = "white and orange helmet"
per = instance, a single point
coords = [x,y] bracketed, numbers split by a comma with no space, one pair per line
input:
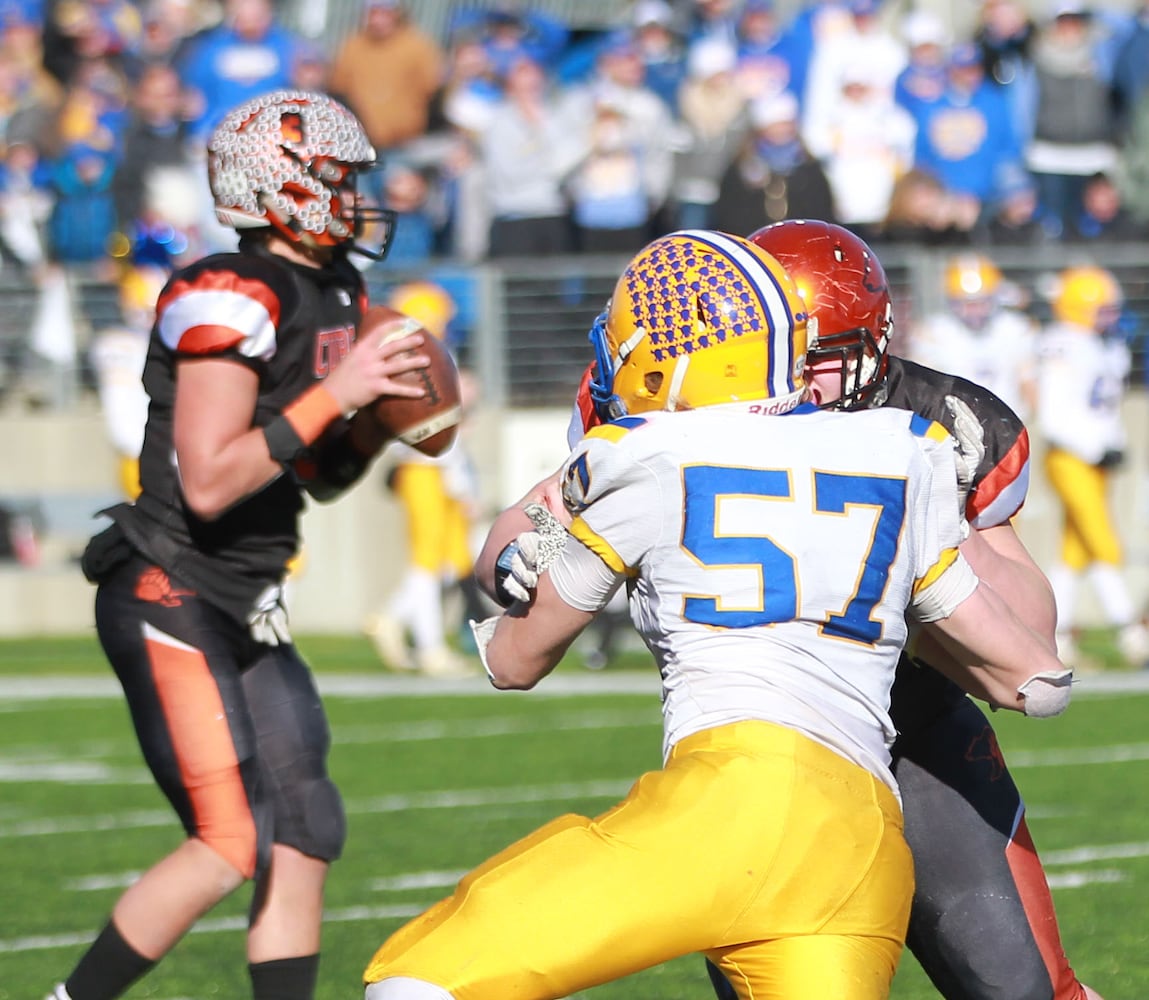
[290,160]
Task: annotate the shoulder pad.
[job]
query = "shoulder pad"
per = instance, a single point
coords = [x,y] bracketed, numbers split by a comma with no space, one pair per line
[616,430]
[225,302]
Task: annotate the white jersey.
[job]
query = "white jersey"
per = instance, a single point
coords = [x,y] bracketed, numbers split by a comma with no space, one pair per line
[1081,382]
[771,559]
[1001,357]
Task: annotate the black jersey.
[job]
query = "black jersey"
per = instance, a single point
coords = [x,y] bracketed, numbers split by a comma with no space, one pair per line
[1002,478]
[920,694]
[291,325]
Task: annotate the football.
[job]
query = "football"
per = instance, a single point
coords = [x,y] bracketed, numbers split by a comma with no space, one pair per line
[430,422]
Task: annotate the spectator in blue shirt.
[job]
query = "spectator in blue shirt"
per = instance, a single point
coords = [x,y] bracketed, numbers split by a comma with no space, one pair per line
[966,136]
[925,78]
[246,55]
[767,55]
[507,33]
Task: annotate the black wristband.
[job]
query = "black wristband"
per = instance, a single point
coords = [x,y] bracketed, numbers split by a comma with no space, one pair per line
[283,441]
[502,571]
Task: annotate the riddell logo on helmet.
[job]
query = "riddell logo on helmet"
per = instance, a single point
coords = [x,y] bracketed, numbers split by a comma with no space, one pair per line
[773,407]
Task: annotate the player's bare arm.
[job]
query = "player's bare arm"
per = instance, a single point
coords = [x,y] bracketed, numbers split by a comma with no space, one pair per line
[530,639]
[223,458]
[1001,560]
[996,657]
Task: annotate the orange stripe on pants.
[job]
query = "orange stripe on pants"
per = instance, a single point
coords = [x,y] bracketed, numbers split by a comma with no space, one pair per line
[1038,904]
[205,752]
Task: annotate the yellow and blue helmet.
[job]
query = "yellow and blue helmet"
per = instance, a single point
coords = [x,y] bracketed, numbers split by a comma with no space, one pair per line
[699,318]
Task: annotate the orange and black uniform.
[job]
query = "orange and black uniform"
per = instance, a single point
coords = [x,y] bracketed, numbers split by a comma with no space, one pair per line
[232,728]
[982,923]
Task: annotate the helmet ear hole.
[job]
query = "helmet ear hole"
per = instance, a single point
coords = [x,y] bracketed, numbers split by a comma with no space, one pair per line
[652,382]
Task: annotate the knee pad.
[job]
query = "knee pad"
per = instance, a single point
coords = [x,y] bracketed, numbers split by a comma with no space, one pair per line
[317,825]
[405,988]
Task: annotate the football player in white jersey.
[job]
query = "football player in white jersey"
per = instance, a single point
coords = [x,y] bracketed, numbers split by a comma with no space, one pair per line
[771,552]
[979,338]
[1083,371]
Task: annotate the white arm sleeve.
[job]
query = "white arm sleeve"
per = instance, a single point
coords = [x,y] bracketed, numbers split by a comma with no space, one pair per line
[939,599]
[582,579]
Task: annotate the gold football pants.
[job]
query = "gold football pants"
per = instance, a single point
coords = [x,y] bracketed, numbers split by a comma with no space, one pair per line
[437,526]
[780,860]
[1087,532]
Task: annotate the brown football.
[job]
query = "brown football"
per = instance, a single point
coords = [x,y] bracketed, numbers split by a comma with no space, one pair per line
[430,422]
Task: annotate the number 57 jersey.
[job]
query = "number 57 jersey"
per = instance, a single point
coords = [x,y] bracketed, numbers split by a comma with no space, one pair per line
[771,560]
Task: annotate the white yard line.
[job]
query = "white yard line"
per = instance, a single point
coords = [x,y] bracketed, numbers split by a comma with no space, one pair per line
[55,687]
[1073,879]
[476,798]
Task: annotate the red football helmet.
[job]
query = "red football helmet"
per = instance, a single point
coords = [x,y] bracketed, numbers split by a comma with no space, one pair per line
[847,296]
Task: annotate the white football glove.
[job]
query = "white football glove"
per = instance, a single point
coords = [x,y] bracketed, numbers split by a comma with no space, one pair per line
[268,618]
[535,552]
[970,436]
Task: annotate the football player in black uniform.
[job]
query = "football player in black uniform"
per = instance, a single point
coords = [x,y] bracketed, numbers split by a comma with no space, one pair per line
[255,377]
[982,923]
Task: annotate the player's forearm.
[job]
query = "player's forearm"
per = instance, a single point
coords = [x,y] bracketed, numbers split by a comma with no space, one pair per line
[529,640]
[999,559]
[993,653]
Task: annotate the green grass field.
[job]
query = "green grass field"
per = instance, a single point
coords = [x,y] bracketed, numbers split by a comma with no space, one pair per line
[434,784]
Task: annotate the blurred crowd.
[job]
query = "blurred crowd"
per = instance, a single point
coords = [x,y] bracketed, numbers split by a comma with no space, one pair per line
[515,135]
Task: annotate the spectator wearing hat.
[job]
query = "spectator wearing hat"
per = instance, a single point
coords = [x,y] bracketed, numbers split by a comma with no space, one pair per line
[247,54]
[528,148]
[966,136]
[507,31]
[924,79]
[1013,215]
[865,142]
[609,203]
[1076,126]
[712,111]
[766,53]
[865,42]
[619,81]
[773,177]
[660,46]
[387,72]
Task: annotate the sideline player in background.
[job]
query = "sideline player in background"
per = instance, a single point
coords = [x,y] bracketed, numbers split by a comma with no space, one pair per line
[1084,364]
[437,496]
[771,552]
[253,369]
[979,336]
